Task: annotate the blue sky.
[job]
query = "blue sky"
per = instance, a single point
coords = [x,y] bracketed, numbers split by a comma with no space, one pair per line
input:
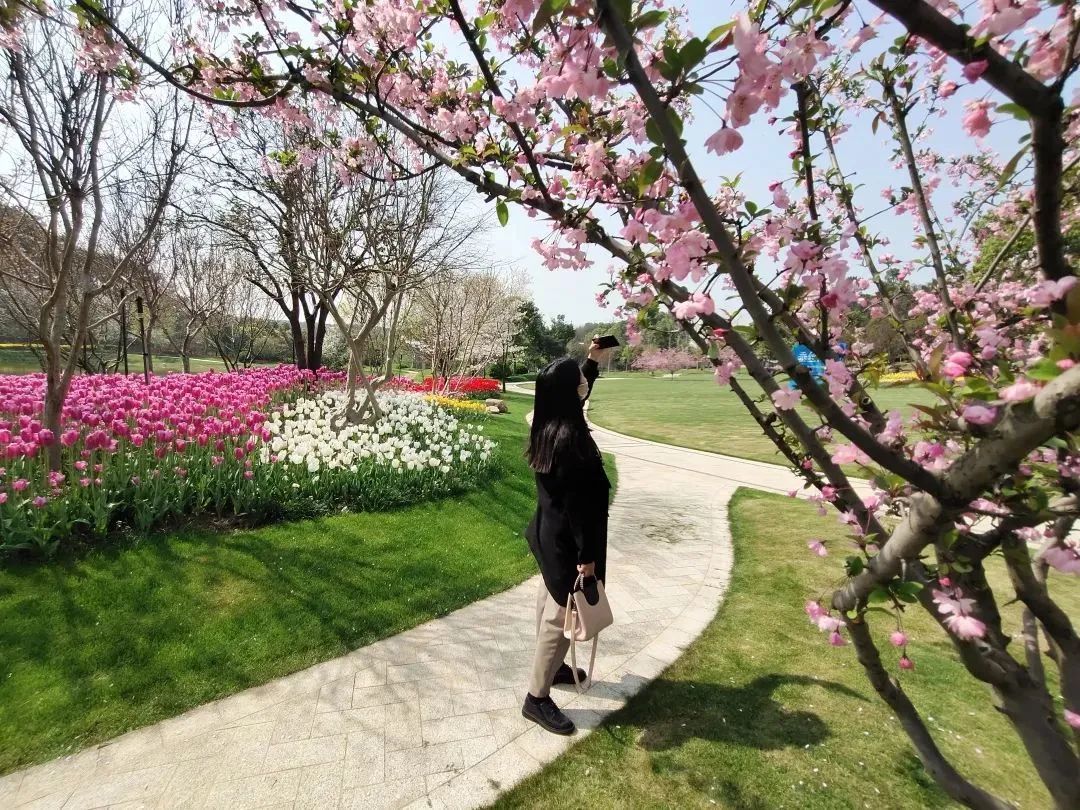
[761,160]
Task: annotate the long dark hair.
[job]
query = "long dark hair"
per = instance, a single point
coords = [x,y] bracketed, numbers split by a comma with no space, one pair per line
[559,432]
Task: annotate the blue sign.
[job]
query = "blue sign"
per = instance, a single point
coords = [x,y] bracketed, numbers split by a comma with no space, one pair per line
[805,356]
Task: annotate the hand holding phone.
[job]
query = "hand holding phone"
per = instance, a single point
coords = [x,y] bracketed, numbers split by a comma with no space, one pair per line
[605,341]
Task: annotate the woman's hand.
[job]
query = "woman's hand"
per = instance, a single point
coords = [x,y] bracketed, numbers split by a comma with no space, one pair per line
[587,569]
[595,352]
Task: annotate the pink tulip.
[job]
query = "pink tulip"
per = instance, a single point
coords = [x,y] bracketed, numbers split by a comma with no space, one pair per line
[20,484]
[39,502]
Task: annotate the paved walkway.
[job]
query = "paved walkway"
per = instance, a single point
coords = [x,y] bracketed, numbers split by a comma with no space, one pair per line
[431,717]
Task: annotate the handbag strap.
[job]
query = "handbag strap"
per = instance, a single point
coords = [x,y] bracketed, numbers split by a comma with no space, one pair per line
[573,646]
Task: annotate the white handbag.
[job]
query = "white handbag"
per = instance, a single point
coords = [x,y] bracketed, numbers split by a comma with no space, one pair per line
[584,621]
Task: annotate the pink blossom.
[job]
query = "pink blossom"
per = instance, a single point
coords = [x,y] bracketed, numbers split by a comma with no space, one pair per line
[973,70]
[898,638]
[906,663]
[836,640]
[1064,558]
[966,627]
[979,414]
[818,547]
[947,89]
[784,399]
[976,121]
[1019,391]
[827,623]
[723,141]
[814,609]
[1072,718]
[849,454]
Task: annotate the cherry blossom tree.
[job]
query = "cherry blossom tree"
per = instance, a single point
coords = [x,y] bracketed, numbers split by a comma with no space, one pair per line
[577,112]
[669,360]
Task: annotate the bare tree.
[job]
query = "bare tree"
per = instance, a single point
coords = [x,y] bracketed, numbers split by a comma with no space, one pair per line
[200,290]
[241,328]
[411,231]
[273,205]
[462,319]
[84,161]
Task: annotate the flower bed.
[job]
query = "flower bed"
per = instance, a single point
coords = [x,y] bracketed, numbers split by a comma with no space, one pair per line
[898,378]
[465,406]
[190,444]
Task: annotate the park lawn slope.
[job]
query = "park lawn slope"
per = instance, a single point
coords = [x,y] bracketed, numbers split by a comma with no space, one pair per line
[120,637]
[691,410]
[761,713]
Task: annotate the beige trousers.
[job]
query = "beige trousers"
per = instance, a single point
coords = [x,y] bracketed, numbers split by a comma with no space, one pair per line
[551,644]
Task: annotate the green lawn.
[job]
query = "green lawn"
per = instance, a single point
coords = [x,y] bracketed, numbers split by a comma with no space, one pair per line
[18,360]
[123,636]
[691,410]
[761,713]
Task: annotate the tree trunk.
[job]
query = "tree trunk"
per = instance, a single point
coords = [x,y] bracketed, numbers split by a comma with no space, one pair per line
[297,333]
[942,771]
[55,394]
[1031,713]
[185,352]
[316,337]
[150,324]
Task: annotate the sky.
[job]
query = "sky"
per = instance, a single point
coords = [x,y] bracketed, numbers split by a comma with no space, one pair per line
[761,160]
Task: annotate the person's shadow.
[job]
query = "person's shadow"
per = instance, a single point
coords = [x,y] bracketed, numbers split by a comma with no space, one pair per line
[670,713]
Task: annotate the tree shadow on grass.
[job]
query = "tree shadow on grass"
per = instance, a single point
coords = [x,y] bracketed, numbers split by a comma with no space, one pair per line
[671,713]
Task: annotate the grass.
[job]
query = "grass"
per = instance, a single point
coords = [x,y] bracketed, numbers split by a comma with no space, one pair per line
[120,637]
[691,410]
[761,713]
[20,360]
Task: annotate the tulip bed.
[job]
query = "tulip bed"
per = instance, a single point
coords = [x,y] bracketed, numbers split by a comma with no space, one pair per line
[259,445]
[456,387]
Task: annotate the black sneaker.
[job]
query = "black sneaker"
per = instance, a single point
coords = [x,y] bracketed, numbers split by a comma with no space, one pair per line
[547,715]
[564,675]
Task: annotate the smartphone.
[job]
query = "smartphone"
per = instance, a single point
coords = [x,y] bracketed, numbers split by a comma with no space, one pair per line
[607,342]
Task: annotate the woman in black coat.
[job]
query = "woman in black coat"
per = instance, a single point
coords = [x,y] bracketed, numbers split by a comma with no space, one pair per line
[568,533]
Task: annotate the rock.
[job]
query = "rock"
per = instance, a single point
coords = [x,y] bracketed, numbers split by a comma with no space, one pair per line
[498,404]
[493,409]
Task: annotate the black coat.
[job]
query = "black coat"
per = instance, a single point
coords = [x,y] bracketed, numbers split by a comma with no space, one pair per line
[570,524]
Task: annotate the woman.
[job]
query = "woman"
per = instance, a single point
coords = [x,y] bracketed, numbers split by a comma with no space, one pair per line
[568,534]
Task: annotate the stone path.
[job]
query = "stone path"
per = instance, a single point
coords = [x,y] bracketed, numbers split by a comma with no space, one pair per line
[431,717]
